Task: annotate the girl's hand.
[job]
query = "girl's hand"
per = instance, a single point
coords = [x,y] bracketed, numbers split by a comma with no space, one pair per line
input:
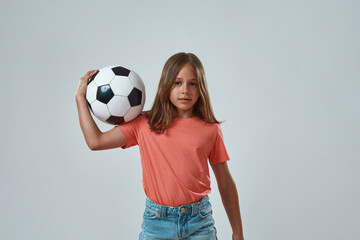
[81,90]
[237,237]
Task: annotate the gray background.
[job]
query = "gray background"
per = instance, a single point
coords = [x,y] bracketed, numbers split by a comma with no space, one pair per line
[284,75]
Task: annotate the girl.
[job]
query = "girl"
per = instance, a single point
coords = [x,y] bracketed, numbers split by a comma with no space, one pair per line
[176,138]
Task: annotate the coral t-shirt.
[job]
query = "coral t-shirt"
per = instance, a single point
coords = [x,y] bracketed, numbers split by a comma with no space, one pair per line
[175,163]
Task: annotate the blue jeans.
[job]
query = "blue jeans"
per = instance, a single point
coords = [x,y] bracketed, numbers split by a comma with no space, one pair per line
[187,222]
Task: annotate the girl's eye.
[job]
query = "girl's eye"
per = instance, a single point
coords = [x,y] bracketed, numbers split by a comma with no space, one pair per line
[178,83]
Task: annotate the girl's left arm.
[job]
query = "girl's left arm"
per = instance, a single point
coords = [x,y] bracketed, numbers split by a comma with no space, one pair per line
[229,197]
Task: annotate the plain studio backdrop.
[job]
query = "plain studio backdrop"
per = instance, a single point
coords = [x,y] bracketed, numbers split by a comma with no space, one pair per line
[284,75]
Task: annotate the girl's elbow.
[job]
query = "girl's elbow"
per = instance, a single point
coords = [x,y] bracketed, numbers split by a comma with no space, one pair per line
[93,146]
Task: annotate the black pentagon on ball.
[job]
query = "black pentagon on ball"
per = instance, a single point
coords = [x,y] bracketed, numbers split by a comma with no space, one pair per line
[121,71]
[115,120]
[135,97]
[104,93]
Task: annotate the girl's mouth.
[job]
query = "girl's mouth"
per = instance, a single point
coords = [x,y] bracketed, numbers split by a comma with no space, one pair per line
[184,100]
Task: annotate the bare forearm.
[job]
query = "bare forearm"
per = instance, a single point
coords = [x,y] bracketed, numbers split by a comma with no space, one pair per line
[88,126]
[230,199]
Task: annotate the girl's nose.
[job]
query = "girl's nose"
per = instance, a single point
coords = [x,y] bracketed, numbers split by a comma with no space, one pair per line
[185,88]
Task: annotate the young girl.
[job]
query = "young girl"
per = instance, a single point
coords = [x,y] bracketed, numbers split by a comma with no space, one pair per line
[176,139]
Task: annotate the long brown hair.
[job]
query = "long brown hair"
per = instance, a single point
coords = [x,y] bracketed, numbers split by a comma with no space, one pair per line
[163,111]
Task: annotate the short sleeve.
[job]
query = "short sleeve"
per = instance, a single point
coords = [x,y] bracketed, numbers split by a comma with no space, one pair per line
[218,152]
[130,131]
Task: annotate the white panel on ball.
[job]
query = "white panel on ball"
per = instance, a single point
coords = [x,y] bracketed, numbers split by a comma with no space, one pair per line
[143,98]
[136,81]
[104,76]
[133,113]
[101,110]
[121,85]
[118,106]
[91,92]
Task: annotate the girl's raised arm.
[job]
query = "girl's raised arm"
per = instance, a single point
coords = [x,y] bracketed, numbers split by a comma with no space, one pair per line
[95,139]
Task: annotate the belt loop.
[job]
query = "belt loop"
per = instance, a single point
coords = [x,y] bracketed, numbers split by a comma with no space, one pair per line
[194,209]
[163,212]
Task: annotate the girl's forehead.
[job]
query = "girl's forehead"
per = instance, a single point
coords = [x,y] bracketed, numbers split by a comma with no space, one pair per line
[186,70]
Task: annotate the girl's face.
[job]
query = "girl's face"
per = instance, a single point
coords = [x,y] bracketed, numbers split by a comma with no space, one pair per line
[185,91]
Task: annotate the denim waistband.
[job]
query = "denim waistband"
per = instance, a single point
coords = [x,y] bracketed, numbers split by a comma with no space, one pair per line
[183,209]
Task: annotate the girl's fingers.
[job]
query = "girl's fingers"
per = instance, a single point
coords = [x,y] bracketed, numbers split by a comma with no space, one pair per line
[89,74]
[81,91]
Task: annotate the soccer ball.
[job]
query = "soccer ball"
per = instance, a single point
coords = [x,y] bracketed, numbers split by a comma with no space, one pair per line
[115,95]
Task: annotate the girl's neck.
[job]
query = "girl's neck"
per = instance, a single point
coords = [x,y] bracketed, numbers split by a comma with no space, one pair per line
[185,115]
